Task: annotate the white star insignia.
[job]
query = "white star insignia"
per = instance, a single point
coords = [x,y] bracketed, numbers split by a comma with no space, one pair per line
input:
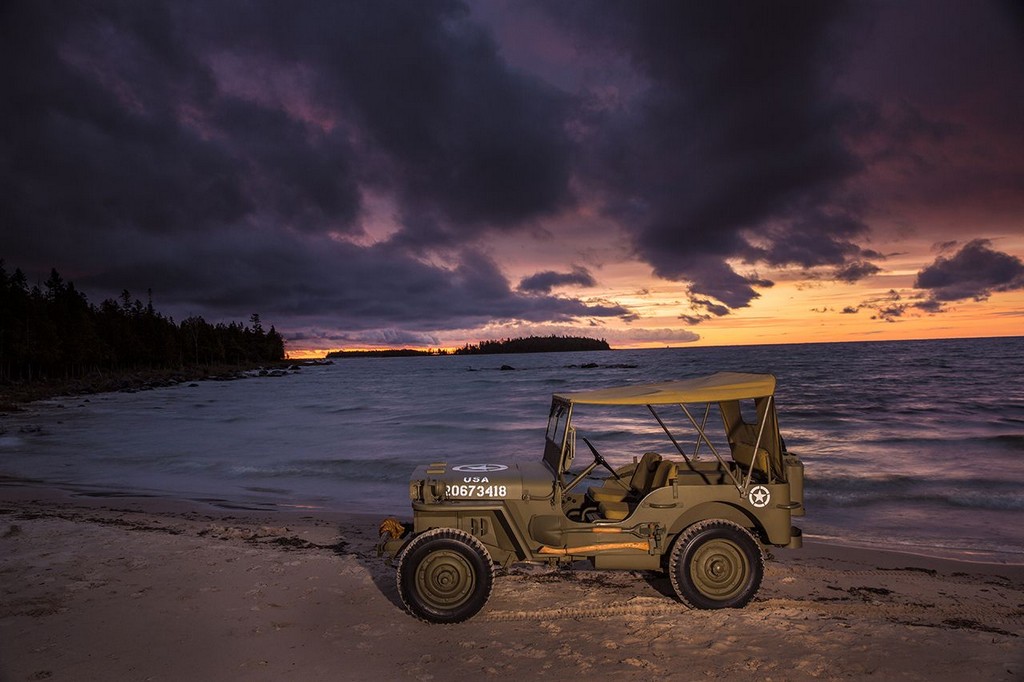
[759,496]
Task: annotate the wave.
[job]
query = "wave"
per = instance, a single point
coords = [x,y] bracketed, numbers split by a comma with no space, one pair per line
[982,503]
[1013,441]
[912,493]
[937,424]
[377,470]
[960,548]
[345,409]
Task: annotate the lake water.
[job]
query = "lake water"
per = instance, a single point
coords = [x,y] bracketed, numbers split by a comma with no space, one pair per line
[915,445]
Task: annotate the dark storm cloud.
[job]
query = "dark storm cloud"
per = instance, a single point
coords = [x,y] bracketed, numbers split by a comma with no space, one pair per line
[235,156]
[454,131]
[343,286]
[888,307]
[973,272]
[392,338]
[112,123]
[710,310]
[856,271]
[931,306]
[118,110]
[735,148]
[544,282]
[204,149]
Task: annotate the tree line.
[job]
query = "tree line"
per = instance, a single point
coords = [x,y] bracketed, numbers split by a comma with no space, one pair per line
[528,344]
[54,333]
[534,344]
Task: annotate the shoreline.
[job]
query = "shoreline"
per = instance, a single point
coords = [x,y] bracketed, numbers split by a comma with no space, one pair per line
[97,496]
[163,589]
[15,397]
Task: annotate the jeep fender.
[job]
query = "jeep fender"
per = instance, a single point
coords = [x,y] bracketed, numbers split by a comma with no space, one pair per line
[489,523]
[717,510]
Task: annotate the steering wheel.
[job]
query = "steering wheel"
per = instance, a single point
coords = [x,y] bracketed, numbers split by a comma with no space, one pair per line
[599,458]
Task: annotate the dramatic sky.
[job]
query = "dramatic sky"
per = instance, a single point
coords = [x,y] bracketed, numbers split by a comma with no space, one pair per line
[417,173]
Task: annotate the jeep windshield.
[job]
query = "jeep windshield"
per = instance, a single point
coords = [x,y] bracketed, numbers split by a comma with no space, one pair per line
[555,438]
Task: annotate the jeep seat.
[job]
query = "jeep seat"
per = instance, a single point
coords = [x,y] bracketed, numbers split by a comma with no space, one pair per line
[614,491]
[749,457]
[664,473]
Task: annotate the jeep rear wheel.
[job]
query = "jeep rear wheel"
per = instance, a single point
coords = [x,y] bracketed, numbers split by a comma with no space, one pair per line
[445,575]
[716,564]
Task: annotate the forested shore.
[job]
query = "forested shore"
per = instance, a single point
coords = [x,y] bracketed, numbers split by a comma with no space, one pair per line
[52,340]
[534,344]
[528,344]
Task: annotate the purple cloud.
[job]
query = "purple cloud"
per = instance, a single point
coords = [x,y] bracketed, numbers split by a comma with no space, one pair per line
[544,282]
[973,272]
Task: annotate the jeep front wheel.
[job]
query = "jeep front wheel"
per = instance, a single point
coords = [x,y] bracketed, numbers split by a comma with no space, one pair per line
[716,564]
[445,575]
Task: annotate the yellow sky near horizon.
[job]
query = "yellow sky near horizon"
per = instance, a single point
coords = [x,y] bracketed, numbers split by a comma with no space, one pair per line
[795,311]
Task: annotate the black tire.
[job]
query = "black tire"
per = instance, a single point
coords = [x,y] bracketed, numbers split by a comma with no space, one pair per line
[445,575]
[716,564]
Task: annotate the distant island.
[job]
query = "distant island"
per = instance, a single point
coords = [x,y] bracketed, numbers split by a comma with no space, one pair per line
[381,353]
[529,344]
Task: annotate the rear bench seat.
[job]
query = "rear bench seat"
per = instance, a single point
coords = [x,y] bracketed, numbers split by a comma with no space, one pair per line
[715,476]
[744,454]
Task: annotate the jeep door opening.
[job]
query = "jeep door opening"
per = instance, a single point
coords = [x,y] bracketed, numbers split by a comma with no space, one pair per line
[703,510]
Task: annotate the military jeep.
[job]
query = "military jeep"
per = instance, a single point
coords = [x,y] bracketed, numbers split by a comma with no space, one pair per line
[703,515]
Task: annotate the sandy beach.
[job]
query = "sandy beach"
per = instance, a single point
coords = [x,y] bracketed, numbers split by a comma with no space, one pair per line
[151,589]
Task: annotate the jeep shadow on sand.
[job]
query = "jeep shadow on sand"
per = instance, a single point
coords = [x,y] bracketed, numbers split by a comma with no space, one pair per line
[703,513]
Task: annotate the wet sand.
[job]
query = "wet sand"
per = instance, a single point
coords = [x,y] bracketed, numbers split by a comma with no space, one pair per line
[150,589]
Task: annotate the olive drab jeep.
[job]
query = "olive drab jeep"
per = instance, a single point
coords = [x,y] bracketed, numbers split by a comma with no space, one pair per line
[703,509]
